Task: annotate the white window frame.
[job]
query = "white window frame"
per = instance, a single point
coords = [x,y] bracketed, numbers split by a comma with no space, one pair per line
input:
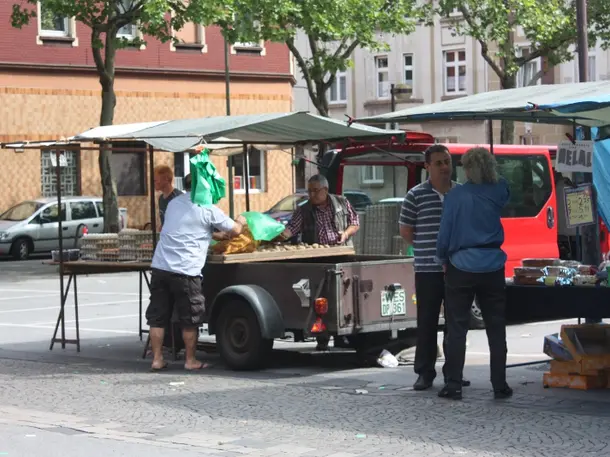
[340,75]
[200,31]
[376,175]
[379,71]
[592,56]
[410,68]
[69,23]
[529,70]
[455,64]
[263,177]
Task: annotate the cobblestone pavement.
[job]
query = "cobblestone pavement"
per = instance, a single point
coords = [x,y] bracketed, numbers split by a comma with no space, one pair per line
[350,413]
[293,409]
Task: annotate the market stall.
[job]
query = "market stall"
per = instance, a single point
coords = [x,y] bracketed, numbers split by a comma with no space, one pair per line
[132,251]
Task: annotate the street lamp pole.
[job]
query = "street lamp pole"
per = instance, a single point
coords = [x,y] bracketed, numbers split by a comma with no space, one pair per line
[228,110]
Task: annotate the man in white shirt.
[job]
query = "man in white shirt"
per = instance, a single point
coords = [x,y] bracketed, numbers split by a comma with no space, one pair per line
[176,271]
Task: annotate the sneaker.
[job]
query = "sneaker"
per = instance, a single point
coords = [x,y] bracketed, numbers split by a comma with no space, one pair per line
[503,394]
[450,393]
[422,383]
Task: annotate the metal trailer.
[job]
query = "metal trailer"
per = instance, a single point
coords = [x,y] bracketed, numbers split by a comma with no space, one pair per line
[361,301]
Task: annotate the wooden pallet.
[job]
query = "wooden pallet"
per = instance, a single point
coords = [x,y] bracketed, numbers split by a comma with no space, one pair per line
[268,256]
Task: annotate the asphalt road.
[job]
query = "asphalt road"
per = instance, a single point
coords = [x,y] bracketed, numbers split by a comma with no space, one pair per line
[104,401]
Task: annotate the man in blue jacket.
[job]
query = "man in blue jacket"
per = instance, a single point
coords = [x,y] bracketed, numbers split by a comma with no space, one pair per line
[469,247]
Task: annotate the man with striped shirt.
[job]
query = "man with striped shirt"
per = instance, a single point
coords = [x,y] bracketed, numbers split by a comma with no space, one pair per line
[420,219]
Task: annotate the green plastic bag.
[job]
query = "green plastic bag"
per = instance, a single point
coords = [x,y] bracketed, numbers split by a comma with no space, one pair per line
[410,252]
[262,226]
[207,186]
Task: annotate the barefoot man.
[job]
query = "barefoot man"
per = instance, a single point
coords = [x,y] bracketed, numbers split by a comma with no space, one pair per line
[176,271]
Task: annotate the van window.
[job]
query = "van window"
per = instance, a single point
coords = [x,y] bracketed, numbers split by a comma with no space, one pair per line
[50,214]
[82,210]
[529,178]
[100,208]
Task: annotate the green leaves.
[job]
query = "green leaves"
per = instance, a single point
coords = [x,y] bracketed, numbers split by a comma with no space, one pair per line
[549,26]
[333,29]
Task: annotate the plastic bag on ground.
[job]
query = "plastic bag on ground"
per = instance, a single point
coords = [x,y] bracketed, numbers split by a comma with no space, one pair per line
[262,226]
[387,360]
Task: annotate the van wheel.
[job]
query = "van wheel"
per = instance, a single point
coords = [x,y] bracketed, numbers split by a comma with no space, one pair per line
[240,342]
[21,249]
[476,316]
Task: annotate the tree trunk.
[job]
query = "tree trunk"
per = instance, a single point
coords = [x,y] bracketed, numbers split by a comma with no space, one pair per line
[109,192]
[507,128]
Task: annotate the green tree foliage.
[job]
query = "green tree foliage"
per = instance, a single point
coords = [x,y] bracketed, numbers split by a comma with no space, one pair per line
[333,30]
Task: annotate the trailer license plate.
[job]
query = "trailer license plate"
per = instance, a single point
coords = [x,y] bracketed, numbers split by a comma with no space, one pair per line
[393,303]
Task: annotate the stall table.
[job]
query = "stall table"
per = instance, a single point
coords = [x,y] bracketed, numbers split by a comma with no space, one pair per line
[83,267]
[543,303]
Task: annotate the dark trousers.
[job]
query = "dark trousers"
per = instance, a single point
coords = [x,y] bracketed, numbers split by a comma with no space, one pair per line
[461,288]
[430,293]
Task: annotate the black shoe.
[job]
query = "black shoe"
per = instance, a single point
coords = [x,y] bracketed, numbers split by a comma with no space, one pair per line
[465,382]
[503,394]
[450,393]
[422,383]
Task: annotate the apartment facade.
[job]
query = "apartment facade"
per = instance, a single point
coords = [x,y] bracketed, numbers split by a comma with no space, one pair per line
[49,89]
[434,65]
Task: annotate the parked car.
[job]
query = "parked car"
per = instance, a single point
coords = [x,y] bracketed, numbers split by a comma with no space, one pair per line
[282,210]
[32,226]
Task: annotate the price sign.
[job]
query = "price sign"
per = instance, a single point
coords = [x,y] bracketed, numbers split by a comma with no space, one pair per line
[579,206]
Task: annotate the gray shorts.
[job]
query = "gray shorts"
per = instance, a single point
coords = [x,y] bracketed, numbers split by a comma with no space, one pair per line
[172,290]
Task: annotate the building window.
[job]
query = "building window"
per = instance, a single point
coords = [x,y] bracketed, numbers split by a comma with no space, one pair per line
[407,74]
[190,36]
[68,169]
[528,71]
[529,139]
[247,47]
[129,31]
[53,25]
[256,170]
[338,91]
[383,77]
[372,174]
[455,72]
[129,168]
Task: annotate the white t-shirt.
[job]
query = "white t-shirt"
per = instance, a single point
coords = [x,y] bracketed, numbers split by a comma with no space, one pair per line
[186,235]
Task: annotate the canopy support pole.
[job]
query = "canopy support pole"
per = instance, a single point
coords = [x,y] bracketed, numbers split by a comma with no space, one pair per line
[247,176]
[151,185]
[490,135]
[61,250]
[228,110]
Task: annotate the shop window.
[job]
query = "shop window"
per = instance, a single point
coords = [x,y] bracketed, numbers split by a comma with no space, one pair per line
[256,169]
[129,168]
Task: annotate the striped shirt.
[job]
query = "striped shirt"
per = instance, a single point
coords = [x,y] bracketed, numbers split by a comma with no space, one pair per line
[422,209]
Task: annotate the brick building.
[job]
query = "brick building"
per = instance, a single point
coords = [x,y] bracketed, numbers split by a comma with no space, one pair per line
[49,89]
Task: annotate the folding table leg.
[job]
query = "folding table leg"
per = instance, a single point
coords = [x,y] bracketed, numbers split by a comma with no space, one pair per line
[76,315]
[61,316]
[140,302]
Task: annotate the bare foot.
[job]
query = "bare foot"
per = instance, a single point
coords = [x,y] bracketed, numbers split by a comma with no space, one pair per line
[195,365]
[158,365]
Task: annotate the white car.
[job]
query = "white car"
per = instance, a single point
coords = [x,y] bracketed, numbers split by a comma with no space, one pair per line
[33,225]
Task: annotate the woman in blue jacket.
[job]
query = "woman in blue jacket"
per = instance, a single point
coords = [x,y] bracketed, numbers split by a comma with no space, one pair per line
[469,246]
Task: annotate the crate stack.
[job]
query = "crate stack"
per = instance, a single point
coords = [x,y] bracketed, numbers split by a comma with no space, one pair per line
[380,228]
[581,357]
[358,238]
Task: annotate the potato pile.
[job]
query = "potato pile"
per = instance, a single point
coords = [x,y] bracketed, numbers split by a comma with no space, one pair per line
[290,247]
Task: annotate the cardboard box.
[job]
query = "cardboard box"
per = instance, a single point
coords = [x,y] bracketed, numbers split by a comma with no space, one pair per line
[590,342]
[555,349]
[575,381]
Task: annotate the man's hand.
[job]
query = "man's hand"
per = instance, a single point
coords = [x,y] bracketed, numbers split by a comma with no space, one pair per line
[445,268]
[199,149]
[241,220]
[344,237]
[220,236]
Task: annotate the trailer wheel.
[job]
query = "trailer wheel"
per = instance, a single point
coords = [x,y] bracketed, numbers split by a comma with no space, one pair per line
[476,316]
[239,338]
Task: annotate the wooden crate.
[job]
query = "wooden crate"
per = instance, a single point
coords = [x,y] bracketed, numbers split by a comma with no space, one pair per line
[575,381]
[268,256]
[583,367]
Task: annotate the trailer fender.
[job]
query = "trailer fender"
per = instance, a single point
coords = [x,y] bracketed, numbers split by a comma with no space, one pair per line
[264,306]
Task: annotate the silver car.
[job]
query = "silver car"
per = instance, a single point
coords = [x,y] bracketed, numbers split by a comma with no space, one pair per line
[32,226]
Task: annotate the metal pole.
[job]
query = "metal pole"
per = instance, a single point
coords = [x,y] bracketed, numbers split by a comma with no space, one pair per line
[393,126]
[61,248]
[247,176]
[590,233]
[228,110]
[490,135]
[151,184]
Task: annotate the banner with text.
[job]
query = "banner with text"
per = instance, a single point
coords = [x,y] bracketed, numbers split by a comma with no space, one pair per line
[574,157]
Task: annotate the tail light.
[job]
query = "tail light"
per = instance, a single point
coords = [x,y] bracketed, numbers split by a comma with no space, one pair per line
[318,326]
[321,306]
